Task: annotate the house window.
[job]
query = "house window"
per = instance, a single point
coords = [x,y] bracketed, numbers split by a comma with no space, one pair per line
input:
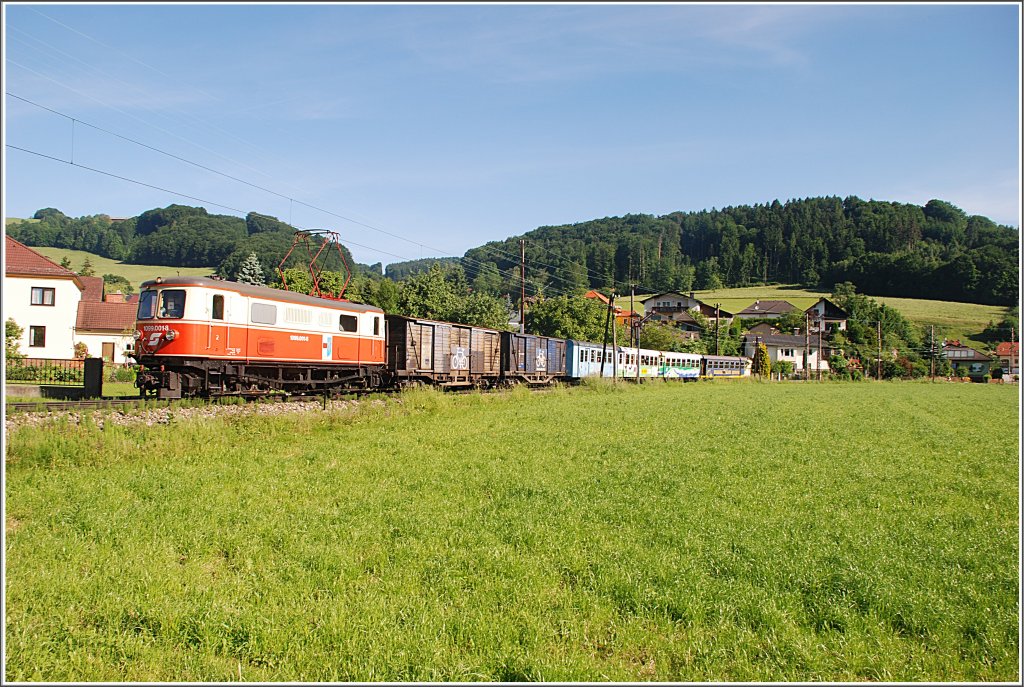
[786,351]
[37,337]
[218,307]
[42,295]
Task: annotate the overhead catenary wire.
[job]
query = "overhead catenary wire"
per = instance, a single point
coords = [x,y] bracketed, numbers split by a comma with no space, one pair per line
[467,262]
[186,195]
[472,261]
[511,258]
[187,118]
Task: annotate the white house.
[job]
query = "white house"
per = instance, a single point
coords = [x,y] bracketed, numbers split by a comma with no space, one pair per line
[829,315]
[105,323]
[42,298]
[796,349]
[675,308]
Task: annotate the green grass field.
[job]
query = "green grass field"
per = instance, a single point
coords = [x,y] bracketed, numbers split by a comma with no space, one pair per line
[136,274]
[741,532]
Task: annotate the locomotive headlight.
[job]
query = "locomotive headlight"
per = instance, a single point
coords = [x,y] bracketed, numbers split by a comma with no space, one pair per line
[171,334]
[137,335]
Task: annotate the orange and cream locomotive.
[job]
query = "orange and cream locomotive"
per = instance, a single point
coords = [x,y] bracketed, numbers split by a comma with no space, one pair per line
[198,335]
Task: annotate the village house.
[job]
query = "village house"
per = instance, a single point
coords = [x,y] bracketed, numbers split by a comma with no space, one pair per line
[42,298]
[966,361]
[797,349]
[676,309]
[622,316]
[830,316]
[1009,357]
[58,309]
[105,323]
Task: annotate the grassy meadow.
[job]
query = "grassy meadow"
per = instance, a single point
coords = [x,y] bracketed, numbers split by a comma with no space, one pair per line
[737,532]
[136,274]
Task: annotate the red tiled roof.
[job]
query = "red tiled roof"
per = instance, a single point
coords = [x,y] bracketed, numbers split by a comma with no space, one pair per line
[111,316]
[1006,348]
[93,288]
[599,296]
[20,259]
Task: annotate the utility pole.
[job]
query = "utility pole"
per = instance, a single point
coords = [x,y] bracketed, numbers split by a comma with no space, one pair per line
[522,279]
[604,344]
[634,334]
[632,288]
[878,373]
[615,344]
[931,352]
[718,324]
[807,345]
[820,327]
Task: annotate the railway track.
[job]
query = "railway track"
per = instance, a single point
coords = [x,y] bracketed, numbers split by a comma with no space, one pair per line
[44,406]
[91,404]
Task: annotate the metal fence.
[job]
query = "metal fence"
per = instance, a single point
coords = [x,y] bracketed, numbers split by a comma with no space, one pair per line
[48,371]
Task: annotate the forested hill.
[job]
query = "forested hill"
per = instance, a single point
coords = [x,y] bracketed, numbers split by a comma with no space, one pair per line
[177,236]
[886,249]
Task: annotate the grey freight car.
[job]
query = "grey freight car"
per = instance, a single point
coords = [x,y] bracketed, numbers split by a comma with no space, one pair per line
[443,353]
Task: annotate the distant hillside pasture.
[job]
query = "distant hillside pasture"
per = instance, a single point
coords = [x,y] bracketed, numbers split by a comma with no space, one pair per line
[745,531]
[136,274]
[952,320]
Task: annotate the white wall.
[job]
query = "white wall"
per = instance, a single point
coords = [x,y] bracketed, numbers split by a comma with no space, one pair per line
[59,319]
[95,341]
[775,355]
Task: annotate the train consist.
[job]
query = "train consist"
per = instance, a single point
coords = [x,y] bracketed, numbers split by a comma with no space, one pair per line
[207,337]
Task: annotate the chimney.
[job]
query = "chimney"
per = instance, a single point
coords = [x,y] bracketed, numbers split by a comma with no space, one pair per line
[692,296]
[116,297]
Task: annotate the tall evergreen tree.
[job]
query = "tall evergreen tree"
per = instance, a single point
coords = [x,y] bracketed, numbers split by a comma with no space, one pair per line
[251,272]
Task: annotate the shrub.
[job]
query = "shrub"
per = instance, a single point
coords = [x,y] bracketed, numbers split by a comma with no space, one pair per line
[784,367]
[12,337]
[119,373]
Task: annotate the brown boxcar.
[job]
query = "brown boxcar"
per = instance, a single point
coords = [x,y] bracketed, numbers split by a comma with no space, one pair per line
[444,353]
[532,359]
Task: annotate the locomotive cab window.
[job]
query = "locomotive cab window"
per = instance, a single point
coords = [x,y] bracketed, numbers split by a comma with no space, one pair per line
[147,305]
[218,307]
[172,304]
[347,323]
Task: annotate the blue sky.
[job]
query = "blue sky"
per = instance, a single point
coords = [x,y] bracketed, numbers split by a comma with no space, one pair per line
[452,125]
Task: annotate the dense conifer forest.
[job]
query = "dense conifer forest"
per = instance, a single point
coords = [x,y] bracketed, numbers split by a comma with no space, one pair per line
[934,251]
